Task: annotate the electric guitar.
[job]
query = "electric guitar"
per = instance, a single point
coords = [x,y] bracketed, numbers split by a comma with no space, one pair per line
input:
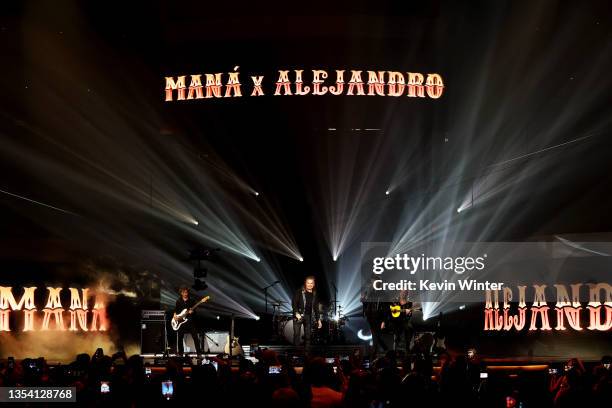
[236,347]
[181,318]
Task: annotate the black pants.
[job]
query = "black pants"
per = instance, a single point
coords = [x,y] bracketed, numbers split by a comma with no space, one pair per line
[297,331]
[377,340]
[402,330]
[188,327]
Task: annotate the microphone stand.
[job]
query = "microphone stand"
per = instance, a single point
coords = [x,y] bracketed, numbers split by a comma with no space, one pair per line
[231,341]
[266,293]
[335,301]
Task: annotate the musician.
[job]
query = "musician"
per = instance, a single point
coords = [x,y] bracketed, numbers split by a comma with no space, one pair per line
[305,309]
[186,302]
[399,322]
[375,313]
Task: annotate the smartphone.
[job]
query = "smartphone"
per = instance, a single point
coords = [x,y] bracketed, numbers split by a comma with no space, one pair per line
[104,387]
[274,370]
[330,360]
[335,370]
[366,364]
[553,371]
[344,358]
[147,370]
[484,375]
[167,389]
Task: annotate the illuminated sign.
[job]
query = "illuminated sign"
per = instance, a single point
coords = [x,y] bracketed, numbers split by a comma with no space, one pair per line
[294,82]
[82,318]
[568,310]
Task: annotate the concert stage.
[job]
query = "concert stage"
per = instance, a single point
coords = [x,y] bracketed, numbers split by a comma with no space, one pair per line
[303,188]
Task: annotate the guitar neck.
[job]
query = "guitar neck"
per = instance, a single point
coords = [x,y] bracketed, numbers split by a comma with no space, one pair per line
[199,303]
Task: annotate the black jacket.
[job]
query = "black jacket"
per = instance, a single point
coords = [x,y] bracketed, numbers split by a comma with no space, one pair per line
[181,304]
[298,303]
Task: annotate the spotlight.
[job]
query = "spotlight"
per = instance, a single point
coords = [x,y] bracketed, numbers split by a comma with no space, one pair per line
[256,317]
[461,307]
[256,193]
[387,192]
[218,317]
[335,258]
[199,285]
[195,222]
[257,259]
[301,259]
[458,210]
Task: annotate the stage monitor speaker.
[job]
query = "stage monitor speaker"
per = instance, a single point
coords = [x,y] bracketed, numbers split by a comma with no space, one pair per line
[214,341]
[152,337]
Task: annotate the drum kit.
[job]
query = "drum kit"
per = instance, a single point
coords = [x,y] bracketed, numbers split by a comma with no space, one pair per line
[331,331]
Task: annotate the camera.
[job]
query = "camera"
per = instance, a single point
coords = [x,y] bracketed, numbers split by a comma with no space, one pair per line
[274,370]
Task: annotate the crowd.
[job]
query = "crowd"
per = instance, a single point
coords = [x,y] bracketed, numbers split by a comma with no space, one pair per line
[273,381]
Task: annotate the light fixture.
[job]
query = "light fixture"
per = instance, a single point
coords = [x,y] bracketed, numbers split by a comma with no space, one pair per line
[199,285]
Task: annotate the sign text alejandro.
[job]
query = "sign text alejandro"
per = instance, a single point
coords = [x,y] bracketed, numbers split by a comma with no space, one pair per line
[298,83]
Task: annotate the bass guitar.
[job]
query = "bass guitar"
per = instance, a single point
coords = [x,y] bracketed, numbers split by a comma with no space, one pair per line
[181,318]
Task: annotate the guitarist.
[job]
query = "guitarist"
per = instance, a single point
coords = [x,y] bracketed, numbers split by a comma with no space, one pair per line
[186,302]
[399,321]
[305,308]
